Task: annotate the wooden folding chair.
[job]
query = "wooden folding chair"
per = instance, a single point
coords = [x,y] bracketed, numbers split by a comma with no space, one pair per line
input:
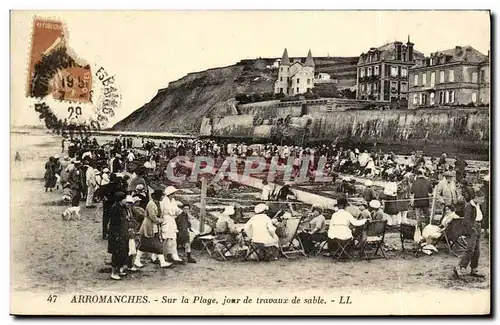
[452,237]
[207,241]
[375,235]
[258,250]
[407,234]
[320,246]
[291,244]
[341,249]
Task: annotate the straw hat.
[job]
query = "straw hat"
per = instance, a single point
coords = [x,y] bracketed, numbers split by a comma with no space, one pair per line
[375,204]
[139,187]
[369,183]
[170,190]
[229,210]
[56,157]
[129,199]
[486,178]
[259,208]
[105,170]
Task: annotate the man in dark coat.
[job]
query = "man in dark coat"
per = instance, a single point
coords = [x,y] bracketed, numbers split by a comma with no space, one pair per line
[472,231]
[107,194]
[421,190]
[119,224]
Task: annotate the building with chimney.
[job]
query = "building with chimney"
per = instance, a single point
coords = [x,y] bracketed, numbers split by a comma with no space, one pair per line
[458,76]
[294,76]
[382,72]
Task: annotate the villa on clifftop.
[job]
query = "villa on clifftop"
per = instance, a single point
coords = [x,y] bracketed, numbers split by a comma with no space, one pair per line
[294,77]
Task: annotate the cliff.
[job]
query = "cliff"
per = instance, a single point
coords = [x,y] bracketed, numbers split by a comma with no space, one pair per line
[181,106]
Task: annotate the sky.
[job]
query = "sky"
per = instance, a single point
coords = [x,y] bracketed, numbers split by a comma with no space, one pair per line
[145,50]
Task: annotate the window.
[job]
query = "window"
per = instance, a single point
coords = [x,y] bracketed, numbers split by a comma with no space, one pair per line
[308,81]
[298,81]
[281,90]
[431,61]
[297,89]
[416,80]
[474,77]
[369,72]
[281,78]
[362,72]
[394,71]
[394,86]
[415,99]
[404,87]
[447,97]
[433,79]
[483,76]
[362,87]
[441,97]
[375,70]
[452,96]
[424,79]
[432,99]
[281,69]
[441,76]
[474,97]
[451,76]
[375,86]
[404,72]
[421,99]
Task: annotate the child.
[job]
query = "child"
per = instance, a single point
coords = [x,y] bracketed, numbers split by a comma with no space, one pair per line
[66,193]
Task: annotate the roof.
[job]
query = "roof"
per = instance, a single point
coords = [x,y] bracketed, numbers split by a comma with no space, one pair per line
[387,51]
[462,54]
[309,60]
[284,59]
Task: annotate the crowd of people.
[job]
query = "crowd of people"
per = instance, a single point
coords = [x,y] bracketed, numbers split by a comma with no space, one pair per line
[135,222]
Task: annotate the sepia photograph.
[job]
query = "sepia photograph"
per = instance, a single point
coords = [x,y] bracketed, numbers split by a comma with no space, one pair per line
[263,162]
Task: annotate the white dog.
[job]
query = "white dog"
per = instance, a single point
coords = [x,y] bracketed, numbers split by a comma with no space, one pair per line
[71,213]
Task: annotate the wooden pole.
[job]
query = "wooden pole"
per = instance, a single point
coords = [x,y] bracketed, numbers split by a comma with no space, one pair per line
[203,204]
[433,206]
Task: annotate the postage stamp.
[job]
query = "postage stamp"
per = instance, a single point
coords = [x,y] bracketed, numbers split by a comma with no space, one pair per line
[72,96]
[52,70]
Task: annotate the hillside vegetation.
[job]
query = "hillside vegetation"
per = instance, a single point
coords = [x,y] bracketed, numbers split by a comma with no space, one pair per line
[180,107]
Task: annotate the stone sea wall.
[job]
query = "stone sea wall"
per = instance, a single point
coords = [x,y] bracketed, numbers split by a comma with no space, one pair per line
[454,128]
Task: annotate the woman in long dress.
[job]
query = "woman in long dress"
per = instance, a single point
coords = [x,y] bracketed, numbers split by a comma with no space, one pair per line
[390,204]
[50,174]
[169,226]
[118,239]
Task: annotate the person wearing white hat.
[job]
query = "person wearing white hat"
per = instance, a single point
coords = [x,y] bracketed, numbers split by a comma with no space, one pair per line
[224,228]
[369,193]
[169,226]
[260,230]
[376,210]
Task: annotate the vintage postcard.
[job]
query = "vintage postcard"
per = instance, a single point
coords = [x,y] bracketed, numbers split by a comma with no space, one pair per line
[250,163]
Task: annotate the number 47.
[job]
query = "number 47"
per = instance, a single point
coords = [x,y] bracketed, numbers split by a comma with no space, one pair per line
[52,298]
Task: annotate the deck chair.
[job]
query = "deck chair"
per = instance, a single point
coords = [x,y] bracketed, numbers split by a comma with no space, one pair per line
[375,235]
[452,237]
[291,244]
[407,233]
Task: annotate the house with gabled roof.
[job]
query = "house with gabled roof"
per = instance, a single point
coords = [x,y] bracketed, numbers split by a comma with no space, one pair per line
[458,76]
